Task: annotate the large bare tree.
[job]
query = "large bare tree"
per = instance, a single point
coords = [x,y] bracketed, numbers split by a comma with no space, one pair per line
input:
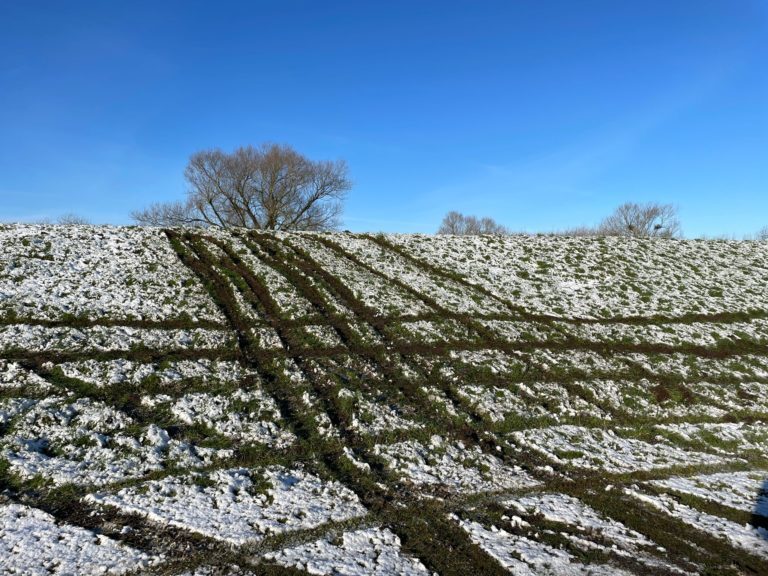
[271,187]
[461,225]
[650,220]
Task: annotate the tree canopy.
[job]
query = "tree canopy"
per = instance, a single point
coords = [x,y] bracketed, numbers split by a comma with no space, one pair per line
[271,187]
[459,224]
[650,220]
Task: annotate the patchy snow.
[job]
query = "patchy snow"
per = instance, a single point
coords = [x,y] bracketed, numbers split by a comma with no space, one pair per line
[569,510]
[291,303]
[521,331]
[32,338]
[86,442]
[735,438]
[10,408]
[373,551]
[266,338]
[689,334]
[32,542]
[746,537]
[745,491]
[243,415]
[99,272]
[560,402]
[440,400]
[122,371]
[603,277]
[725,399]
[219,570]
[513,351]
[526,557]
[591,530]
[448,293]
[452,466]
[356,462]
[238,505]
[320,335]
[371,417]
[386,299]
[499,403]
[604,449]
[13,376]
[646,399]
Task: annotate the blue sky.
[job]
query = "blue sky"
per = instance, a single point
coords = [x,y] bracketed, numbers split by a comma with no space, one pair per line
[542,114]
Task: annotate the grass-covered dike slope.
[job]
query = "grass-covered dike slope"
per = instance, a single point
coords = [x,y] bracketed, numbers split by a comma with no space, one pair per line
[199,402]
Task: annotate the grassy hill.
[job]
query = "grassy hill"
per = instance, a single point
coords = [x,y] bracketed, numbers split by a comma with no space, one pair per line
[201,402]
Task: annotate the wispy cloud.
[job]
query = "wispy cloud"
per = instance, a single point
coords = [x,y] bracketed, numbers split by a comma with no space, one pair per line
[572,171]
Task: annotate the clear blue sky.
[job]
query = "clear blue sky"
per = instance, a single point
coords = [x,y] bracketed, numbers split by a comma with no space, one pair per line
[543,114]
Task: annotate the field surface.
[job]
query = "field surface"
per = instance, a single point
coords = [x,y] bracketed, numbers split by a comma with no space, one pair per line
[202,403]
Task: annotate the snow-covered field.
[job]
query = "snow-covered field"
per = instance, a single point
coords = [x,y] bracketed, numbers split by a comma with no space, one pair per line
[200,402]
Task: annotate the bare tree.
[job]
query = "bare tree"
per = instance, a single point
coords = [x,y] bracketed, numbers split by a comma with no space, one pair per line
[167,214]
[578,231]
[71,218]
[762,234]
[650,220]
[459,224]
[453,223]
[271,187]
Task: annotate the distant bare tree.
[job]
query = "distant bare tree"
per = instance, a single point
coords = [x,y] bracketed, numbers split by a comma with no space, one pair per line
[762,234]
[453,223]
[642,221]
[71,218]
[167,214]
[271,187]
[461,225]
[578,231]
